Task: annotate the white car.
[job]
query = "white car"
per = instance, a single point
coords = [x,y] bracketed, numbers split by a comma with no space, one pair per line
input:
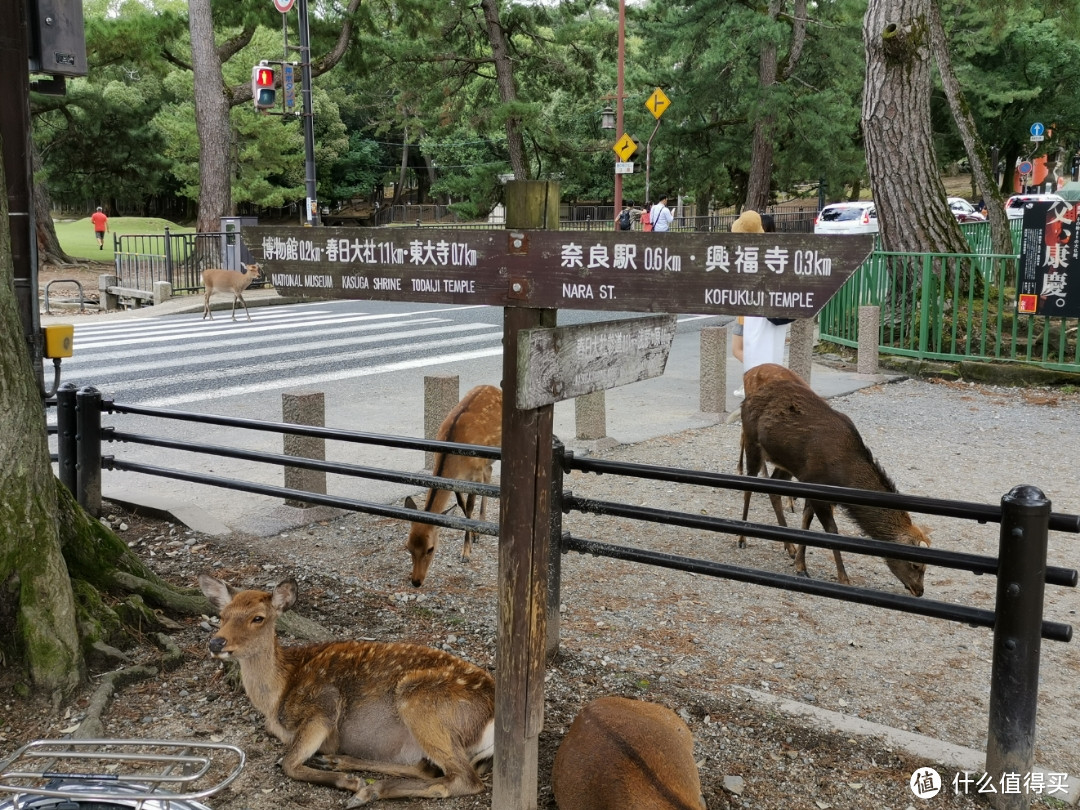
[1017,203]
[847,217]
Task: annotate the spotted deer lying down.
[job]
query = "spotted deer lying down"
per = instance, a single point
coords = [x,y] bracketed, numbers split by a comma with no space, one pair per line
[423,717]
[788,424]
[477,419]
[622,754]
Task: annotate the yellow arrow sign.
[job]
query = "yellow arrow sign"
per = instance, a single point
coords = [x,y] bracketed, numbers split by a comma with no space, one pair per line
[625,147]
[658,102]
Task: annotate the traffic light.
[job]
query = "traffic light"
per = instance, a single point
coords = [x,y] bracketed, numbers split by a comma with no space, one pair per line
[262,87]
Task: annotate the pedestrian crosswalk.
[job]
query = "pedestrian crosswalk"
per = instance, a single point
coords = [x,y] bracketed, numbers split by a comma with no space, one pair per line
[180,359]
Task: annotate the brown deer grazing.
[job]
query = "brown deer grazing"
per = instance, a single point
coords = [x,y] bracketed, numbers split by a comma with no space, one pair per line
[218,280]
[788,424]
[417,714]
[477,419]
[622,754]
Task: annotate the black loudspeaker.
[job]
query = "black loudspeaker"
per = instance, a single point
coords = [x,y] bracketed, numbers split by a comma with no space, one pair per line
[57,42]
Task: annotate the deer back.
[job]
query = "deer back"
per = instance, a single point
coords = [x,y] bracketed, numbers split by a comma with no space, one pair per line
[622,754]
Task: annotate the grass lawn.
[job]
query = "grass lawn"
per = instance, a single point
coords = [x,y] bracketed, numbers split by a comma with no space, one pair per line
[78,240]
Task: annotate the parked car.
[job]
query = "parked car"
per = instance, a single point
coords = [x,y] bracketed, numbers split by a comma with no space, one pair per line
[847,217]
[964,211]
[1017,203]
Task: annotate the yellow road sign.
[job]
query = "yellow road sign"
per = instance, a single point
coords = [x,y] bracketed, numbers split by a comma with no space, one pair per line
[658,102]
[625,147]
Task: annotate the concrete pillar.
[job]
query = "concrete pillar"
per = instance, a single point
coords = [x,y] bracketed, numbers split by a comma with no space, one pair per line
[869,329]
[590,416]
[801,347]
[162,292]
[713,370]
[441,393]
[107,302]
[304,408]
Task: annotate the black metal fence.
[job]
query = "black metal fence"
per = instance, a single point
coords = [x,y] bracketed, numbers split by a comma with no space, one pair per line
[178,258]
[1024,517]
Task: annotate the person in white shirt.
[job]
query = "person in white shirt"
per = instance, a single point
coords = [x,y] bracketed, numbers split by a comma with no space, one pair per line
[661,216]
[763,340]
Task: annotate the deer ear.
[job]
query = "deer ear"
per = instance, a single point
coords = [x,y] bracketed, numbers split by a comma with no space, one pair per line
[284,596]
[215,590]
[410,503]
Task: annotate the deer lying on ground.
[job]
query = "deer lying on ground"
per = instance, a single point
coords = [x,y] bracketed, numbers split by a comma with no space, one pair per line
[420,715]
[622,754]
[753,379]
[786,423]
[477,419]
[218,280]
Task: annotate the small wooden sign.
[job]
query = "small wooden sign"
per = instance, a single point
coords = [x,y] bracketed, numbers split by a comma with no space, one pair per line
[571,361]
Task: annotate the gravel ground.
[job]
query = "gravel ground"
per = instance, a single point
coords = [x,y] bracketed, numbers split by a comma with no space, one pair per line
[690,642]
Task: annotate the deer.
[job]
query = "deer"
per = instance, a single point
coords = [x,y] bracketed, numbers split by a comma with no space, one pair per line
[476,419]
[753,379]
[421,716]
[218,280]
[623,754]
[787,423]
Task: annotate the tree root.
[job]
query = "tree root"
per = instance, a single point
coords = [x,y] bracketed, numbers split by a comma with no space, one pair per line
[92,727]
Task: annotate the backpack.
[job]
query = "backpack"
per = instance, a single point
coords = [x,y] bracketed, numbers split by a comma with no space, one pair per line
[624,221]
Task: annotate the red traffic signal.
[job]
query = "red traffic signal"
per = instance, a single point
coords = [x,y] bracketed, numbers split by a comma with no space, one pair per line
[262,87]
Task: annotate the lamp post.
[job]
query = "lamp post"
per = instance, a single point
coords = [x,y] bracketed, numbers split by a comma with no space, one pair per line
[619,106]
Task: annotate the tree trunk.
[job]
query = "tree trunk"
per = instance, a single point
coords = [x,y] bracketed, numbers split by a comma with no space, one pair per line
[211,120]
[981,171]
[761,150]
[900,156]
[49,249]
[504,78]
[37,608]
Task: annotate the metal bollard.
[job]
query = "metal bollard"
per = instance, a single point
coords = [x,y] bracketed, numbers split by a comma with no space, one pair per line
[67,442]
[554,578]
[1014,673]
[88,463]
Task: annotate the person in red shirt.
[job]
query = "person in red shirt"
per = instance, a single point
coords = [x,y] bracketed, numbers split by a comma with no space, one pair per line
[101,224]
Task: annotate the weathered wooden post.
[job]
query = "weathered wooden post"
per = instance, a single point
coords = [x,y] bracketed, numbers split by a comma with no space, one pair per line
[524,527]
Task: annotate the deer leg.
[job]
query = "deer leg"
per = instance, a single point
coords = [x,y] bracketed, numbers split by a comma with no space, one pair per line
[309,738]
[242,301]
[754,463]
[206,306]
[466,549]
[828,520]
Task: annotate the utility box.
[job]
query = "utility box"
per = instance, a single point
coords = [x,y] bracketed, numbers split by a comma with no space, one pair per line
[57,41]
[234,252]
[59,340]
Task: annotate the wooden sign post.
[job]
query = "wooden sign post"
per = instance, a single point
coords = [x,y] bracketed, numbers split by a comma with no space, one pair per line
[532,269]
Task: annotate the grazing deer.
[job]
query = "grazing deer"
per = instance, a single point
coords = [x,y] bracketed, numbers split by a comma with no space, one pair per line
[753,379]
[622,754]
[788,424]
[477,419]
[218,280]
[420,715]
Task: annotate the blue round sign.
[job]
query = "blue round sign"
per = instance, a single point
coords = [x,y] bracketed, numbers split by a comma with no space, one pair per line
[1037,129]
[1025,167]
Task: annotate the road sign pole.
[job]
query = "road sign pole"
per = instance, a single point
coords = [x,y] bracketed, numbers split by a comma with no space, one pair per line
[618,203]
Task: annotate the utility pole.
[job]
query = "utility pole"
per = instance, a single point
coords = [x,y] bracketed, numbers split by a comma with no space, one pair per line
[15,133]
[312,217]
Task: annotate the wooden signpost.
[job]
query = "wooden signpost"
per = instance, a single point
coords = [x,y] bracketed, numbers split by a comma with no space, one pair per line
[532,270]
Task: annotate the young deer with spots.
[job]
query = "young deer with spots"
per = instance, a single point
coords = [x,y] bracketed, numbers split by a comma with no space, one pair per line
[477,419]
[786,423]
[421,716]
[622,754]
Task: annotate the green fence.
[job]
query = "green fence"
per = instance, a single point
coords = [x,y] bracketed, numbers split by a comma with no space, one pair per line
[949,307]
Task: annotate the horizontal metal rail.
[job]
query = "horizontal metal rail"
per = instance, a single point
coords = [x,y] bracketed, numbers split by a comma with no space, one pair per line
[983,513]
[285,493]
[975,563]
[338,468]
[1053,631]
[335,434]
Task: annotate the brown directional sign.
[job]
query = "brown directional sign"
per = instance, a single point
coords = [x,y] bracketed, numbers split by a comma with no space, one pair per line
[777,275]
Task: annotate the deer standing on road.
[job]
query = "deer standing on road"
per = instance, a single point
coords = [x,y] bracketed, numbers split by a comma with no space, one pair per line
[420,715]
[218,280]
[786,423]
[477,419]
[622,754]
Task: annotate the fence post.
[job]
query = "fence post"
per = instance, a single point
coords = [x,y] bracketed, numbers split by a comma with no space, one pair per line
[801,347]
[67,445]
[712,371]
[441,393]
[107,302]
[590,416]
[88,458]
[554,579]
[304,408]
[869,332]
[168,257]
[1014,673]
